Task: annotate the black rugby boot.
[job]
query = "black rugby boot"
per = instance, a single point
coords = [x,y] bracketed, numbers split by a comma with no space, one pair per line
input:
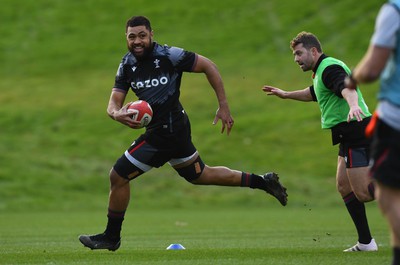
[100,241]
[275,188]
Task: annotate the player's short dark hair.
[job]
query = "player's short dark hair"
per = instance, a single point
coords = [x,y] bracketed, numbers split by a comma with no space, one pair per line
[308,40]
[138,21]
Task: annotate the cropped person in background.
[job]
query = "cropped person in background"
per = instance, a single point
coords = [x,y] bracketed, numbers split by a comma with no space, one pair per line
[153,72]
[345,113]
[383,60]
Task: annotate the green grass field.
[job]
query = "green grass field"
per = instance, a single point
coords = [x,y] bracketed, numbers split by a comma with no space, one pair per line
[267,235]
[58,61]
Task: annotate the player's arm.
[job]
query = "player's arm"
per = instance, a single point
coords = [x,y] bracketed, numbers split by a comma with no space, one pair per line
[300,95]
[117,111]
[206,66]
[351,96]
[333,78]
[370,66]
[380,49]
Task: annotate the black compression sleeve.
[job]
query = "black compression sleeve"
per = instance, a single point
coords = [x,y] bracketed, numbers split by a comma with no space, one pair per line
[333,78]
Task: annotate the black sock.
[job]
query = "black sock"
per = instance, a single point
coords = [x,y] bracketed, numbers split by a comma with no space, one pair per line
[253,181]
[114,224]
[396,256]
[357,212]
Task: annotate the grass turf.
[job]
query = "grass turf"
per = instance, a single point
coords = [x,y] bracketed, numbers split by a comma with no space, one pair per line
[273,235]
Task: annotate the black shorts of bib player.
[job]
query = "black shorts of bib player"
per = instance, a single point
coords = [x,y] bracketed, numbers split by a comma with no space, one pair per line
[153,73]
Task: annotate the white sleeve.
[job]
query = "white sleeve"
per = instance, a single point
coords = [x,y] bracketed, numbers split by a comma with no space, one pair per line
[387,25]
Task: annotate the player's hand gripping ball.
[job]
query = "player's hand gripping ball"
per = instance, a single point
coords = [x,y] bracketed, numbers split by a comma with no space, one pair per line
[141,111]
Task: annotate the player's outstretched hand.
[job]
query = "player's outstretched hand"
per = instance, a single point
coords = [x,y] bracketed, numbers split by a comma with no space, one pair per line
[274,91]
[224,115]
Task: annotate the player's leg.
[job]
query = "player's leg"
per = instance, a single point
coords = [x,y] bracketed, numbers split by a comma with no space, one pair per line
[386,170]
[361,183]
[118,202]
[357,164]
[224,176]
[193,169]
[119,197]
[389,200]
[119,192]
[196,172]
[355,208]
[342,180]
[125,169]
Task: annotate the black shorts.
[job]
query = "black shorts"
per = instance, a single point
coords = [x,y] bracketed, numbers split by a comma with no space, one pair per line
[358,156]
[354,146]
[156,147]
[385,154]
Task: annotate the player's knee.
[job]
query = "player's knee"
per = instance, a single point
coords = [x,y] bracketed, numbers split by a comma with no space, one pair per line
[363,196]
[114,177]
[116,180]
[124,169]
[343,187]
[193,171]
